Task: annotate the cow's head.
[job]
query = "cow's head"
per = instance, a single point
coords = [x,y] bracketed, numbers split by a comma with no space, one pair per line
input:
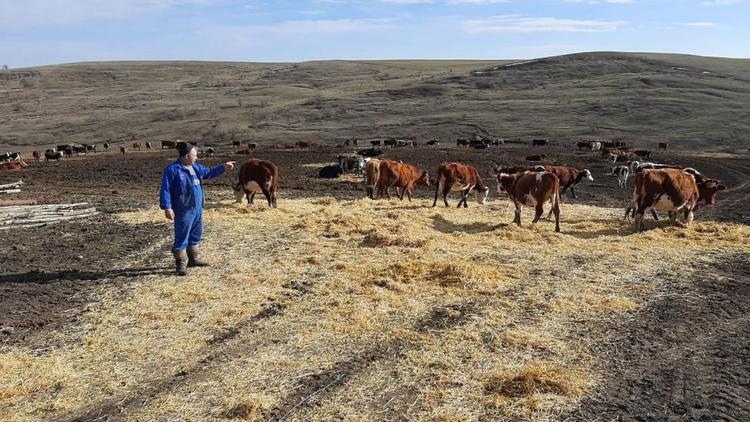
[424,178]
[707,189]
[482,194]
[505,182]
[587,175]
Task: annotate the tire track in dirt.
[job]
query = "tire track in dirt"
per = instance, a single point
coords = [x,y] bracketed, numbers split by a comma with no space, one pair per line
[684,357]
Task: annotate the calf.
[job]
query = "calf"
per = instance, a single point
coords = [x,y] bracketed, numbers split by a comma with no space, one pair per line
[330,172]
[569,176]
[622,173]
[257,176]
[532,189]
[459,177]
[403,176]
[169,144]
[148,145]
[137,145]
[37,156]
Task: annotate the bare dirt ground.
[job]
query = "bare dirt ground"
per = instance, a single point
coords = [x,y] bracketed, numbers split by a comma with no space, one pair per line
[677,358]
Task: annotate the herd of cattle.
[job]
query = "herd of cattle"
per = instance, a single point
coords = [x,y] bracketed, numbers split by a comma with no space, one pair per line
[661,187]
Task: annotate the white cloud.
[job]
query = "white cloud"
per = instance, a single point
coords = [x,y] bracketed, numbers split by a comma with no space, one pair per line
[14,14]
[515,23]
[721,2]
[699,24]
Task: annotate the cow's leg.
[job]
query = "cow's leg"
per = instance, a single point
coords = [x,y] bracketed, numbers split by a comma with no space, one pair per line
[653,213]
[267,194]
[573,191]
[672,216]
[464,197]
[538,211]
[437,189]
[517,218]
[688,215]
[556,209]
[251,199]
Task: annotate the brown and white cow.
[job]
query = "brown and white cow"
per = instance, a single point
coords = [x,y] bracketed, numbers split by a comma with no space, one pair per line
[401,176]
[37,156]
[257,176]
[672,190]
[372,175]
[532,189]
[459,177]
[137,145]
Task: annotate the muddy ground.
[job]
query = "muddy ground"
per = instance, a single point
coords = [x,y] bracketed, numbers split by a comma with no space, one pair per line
[676,359]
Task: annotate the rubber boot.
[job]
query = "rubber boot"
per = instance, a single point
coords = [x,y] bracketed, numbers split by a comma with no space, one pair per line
[193,260]
[180,262]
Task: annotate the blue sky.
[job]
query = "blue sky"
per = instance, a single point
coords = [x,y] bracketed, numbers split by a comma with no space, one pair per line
[38,32]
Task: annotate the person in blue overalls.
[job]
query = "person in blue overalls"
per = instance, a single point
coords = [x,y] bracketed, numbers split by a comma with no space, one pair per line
[181,198]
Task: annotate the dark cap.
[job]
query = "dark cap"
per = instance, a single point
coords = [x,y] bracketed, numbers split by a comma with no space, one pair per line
[183,148]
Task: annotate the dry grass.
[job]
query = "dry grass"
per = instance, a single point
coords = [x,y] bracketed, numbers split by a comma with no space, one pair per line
[383,308]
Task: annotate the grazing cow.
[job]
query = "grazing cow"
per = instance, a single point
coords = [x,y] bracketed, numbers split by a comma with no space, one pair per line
[68,151]
[498,142]
[372,175]
[622,173]
[663,145]
[371,152]
[304,144]
[10,156]
[569,176]
[375,143]
[122,150]
[401,176]
[210,151]
[79,149]
[352,163]
[459,177]
[462,142]
[433,142]
[596,146]
[168,144]
[89,147]
[477,143]
[539,142]
[584,145]
[51,154]
[330,172]
[137,145]
[235,144]
[532,189]
[37,156]
[672,190]
[539,157]
[252,146]
[148,145]
[257,176]
[404,143]
[106,146]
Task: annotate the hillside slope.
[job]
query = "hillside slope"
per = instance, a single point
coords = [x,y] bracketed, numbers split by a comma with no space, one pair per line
[688,100]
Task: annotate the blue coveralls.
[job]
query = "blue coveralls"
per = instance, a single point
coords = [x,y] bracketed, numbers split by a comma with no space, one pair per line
[182,192]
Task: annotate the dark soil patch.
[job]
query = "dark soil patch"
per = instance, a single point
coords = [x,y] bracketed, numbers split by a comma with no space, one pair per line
[686,356]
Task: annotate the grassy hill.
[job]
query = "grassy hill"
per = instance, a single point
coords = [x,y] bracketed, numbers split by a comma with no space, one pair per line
[694,102]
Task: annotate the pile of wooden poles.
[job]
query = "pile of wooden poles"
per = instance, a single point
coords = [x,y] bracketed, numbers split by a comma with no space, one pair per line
[11,187]
[42,215]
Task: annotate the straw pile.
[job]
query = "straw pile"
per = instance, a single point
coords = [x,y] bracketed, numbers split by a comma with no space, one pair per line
[362,310]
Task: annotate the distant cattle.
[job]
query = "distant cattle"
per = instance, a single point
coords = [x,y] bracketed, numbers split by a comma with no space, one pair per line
[663,145]
[10,156]
[79,149]
[137,145]
[584,145]
[122,150]
[235,144]
[148,145]
[673,190]
[459,177]
[404,143]
[401,176]
[352,163]
[37,156]
[90,147]
[433,142]
[614,144]
[389,143]
[51,154]
[169,144]
[462,142]
[252,146]
[538,157]
[643,153]
[480,146]
[569,177]
[304,144]
[375,143]
[257,176]
[532,189]
[596,146]
[330,172]
[539,142]
[372,175]
[371,152]
[106,146]
[210,151]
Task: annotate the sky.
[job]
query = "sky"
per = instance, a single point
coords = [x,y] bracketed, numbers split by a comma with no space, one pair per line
[41,32]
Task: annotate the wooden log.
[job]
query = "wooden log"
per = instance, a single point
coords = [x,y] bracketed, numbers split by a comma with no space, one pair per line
[12,203]
[12,185]
[6,191]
